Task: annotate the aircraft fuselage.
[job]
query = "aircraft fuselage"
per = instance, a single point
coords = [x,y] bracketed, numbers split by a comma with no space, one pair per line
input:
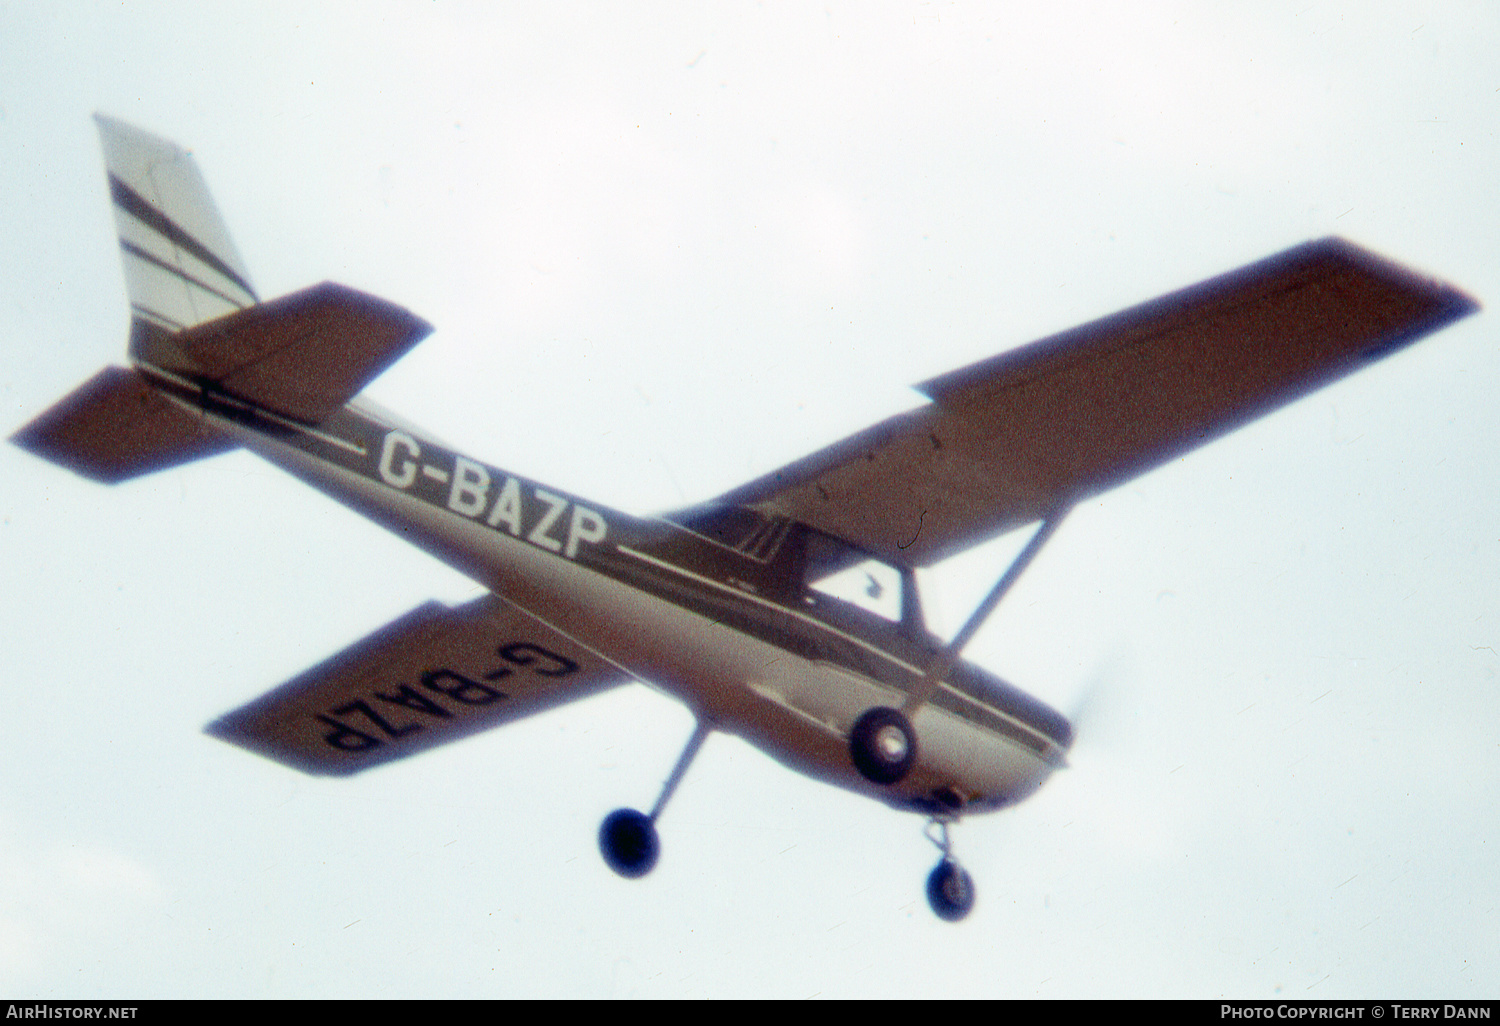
[733,630]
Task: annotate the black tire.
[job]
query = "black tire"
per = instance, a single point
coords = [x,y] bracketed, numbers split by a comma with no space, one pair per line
[628,842]
[883,746]
[950,891]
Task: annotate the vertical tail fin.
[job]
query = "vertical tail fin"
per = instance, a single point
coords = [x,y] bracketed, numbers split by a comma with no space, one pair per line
[181,268]
[195,314]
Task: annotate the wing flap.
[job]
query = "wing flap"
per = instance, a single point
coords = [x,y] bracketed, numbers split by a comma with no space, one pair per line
[432,676]
[1013,437]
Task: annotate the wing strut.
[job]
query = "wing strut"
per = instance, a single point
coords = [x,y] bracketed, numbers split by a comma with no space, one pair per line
[944,660]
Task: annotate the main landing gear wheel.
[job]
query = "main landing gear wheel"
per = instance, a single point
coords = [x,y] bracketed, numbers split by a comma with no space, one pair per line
[627,838]
[883,746]
[628,842]
[950,891]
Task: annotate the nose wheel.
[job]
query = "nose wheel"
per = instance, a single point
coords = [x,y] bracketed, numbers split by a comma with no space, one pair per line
[950,891]
[950,888]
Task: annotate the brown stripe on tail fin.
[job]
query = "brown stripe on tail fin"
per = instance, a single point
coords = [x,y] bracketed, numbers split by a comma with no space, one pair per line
[181,267]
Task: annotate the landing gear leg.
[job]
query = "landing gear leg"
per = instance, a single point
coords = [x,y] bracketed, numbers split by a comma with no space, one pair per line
[627,838]
[950,889]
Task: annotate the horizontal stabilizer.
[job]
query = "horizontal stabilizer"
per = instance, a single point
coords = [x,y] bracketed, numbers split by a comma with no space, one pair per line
[306,354]
[435,675]
[115,426]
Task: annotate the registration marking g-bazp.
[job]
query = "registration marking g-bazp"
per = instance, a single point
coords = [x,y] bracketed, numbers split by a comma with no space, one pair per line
[469,494]
[445,693]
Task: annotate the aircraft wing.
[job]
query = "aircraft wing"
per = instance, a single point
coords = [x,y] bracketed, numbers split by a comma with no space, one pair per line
[432,676]
[1011,438]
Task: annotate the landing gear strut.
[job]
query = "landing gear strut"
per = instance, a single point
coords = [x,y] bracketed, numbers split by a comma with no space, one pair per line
[950,888]
[627,838]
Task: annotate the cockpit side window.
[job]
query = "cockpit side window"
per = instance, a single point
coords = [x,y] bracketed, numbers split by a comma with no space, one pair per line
[870,584]
[836,568]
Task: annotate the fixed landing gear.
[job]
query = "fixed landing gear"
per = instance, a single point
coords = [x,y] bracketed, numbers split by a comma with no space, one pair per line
[630,845]
[950,888]
[950,891]
[628,842]
[883,746]
[627,838]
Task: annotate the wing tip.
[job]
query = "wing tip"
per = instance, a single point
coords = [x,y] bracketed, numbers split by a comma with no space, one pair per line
[231,730]
[1448,299]
[1443,304]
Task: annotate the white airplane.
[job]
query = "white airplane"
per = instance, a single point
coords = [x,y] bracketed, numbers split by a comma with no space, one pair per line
[786,611]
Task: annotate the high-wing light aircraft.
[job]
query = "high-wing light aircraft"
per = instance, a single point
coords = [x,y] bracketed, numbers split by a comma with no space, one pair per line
[785,611]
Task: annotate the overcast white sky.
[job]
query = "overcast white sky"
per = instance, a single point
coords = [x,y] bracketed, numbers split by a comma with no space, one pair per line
[669,247]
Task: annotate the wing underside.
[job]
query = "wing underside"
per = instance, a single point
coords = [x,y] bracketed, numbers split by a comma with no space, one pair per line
[435,675]
[1012,438]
